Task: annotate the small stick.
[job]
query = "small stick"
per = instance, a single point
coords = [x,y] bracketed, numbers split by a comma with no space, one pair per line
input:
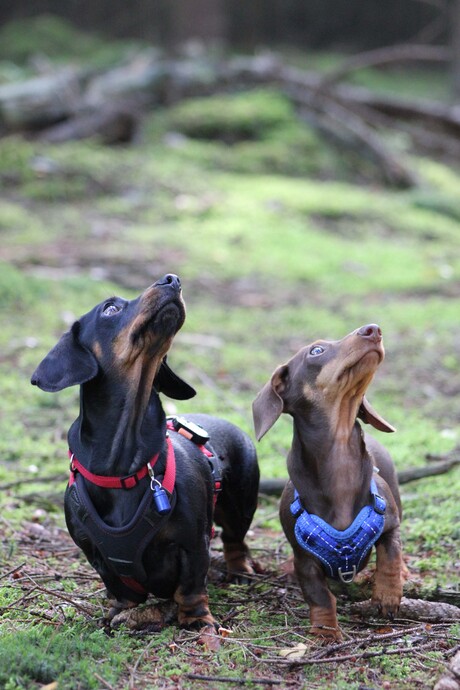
[235,681]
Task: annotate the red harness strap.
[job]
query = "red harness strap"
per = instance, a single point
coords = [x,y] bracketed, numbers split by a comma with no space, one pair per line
[131,480]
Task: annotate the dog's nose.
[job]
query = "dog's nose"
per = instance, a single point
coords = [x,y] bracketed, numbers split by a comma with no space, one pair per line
[371,331]
[170,279]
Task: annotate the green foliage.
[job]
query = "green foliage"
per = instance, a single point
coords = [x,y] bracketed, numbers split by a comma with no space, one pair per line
[57,39]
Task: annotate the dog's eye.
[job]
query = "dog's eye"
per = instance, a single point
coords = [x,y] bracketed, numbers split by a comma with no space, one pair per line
[317,350]
[110,309]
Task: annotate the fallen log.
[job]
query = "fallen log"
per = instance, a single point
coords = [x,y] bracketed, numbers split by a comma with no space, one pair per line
[39,102]
[110,125]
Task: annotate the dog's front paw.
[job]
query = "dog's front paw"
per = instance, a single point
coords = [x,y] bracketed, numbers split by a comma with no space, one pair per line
[387,602]
[146,618]
[324,624]
[240,566]
[243,576]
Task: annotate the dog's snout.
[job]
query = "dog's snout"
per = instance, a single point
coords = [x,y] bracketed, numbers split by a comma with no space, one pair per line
[371,331]
[170,279]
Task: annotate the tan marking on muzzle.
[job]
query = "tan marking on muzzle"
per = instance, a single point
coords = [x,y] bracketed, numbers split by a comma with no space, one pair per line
[309,392]
[97,350]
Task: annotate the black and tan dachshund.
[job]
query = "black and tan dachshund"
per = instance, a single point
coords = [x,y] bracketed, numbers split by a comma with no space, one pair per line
[141,499]
[336,505]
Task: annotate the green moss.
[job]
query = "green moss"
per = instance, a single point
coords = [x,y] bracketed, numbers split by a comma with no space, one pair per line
[39,655]
[231,118]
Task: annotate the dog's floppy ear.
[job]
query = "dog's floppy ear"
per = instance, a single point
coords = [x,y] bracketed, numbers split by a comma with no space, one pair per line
[369,416]
[268,405]
[67,364]
[169,383]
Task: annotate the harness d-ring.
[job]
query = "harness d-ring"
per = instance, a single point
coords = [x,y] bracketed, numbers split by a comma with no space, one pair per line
[347,577]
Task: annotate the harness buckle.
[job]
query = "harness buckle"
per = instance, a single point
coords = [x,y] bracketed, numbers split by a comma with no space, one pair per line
[71,467]
[379,504]
[129,482]
[348,576]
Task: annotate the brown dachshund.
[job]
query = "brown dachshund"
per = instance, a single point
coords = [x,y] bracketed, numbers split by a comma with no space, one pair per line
[143,493]
[342,496]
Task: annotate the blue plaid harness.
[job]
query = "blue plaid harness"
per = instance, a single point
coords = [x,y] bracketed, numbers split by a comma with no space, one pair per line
[340,552]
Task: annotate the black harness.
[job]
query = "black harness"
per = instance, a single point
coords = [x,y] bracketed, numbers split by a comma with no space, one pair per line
[122,548]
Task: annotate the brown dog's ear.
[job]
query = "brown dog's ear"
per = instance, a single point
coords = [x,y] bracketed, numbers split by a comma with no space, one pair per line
[369,416]
[67,364]
[167,382]
[268,405]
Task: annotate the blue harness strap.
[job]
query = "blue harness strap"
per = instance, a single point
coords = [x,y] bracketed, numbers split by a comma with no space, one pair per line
[340,552]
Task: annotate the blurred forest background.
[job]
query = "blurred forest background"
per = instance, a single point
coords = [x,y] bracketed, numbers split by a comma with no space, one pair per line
[238,24]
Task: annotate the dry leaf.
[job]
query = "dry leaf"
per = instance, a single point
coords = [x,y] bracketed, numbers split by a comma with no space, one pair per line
[296,652]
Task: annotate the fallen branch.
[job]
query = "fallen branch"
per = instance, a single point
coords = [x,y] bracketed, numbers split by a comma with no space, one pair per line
[405,476]
[414,609]
[33,480]
[343,125]
[274,487]
[385,56]
[432,113]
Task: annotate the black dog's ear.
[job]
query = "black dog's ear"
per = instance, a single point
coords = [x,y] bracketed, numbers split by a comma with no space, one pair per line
[67,364]
[167,382]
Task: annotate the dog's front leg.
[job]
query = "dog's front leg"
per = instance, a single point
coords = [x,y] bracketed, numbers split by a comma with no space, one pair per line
[322,603]
[191,595]
[387,589]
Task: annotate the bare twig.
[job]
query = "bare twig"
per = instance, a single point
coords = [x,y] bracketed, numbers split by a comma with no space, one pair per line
[368,654]
[385,56]
[235,681]
[59,595]
[12,571]
[104,682]
[34,480]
